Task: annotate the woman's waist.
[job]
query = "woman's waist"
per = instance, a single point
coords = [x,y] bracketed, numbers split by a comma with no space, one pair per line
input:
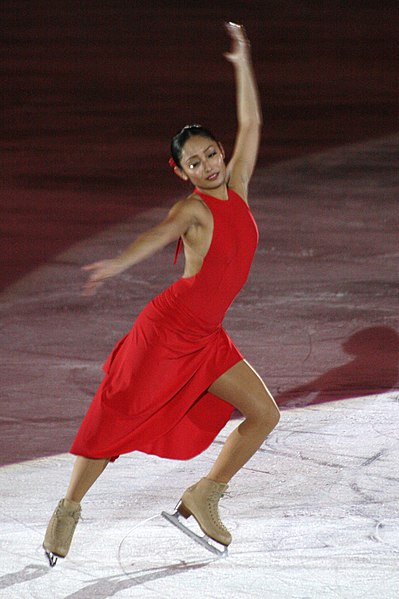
[209,297]
[177,304]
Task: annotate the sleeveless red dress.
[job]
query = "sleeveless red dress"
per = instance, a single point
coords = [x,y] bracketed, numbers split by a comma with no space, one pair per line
[154,395]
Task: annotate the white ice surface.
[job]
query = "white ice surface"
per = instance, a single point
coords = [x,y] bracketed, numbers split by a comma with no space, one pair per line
[314,515]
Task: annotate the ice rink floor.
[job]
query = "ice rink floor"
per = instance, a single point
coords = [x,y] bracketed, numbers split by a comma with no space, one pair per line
[314,515]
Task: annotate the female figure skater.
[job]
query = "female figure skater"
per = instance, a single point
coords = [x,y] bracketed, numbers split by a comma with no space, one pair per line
[172,383]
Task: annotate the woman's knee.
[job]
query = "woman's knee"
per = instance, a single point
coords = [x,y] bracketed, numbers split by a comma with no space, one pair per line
[264,413]
[270,417]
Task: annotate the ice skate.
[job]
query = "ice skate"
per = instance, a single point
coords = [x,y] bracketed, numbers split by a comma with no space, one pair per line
[201,502]
[60,529]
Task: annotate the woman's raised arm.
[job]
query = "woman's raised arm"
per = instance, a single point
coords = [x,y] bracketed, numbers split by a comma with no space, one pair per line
[249,114]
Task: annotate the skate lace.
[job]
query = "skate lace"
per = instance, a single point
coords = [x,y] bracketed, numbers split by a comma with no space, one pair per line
[213,500]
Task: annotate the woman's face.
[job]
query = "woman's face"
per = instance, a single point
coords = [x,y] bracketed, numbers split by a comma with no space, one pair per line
[202,162]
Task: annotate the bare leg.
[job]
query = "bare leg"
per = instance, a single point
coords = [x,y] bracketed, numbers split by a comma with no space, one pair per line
[242,387]
[85,472]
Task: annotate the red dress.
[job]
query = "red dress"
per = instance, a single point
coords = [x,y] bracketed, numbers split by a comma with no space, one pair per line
[154,395]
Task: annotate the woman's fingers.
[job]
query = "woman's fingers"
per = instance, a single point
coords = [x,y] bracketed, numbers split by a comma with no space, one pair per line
[237,32]
[95,280]
[93,266]
[230,26]
[99,272]
[91,287]
[240,42]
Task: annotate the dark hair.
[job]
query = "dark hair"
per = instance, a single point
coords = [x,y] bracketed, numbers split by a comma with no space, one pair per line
[178,141]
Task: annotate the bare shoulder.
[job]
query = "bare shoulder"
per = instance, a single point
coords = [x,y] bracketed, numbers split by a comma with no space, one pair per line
[191,206]
[196,201]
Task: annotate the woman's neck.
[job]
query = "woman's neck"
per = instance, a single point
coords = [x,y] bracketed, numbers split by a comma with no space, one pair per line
[220,193]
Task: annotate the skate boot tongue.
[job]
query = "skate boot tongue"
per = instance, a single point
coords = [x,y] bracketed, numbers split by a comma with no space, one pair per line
[219,488]
[71,506]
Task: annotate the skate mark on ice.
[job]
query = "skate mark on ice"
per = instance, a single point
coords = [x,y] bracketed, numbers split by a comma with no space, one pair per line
[387,533]
[141,540]
[373,458]
[362,493]
[125,537]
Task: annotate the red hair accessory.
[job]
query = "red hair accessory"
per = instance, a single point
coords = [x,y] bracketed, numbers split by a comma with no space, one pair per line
[172,163]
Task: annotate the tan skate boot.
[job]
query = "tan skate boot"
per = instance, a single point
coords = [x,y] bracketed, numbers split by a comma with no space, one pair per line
[201,501]
[60,530]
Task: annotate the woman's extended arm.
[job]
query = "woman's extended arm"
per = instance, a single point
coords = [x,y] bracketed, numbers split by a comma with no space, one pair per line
[249,114]
[180,218]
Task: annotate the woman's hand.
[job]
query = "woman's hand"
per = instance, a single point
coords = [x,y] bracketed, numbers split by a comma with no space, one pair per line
[100,272]
[241,47]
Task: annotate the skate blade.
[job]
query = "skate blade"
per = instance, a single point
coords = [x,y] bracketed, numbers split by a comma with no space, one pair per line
[204,541]
[52,559]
